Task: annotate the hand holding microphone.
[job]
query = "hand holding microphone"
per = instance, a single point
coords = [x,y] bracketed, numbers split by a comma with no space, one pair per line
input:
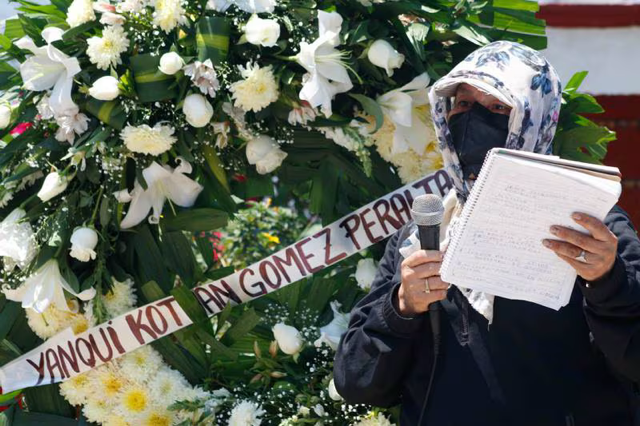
[421,284]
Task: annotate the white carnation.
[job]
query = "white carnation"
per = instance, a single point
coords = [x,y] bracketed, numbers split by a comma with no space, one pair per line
[148,140]
[168,14]
[258,89]
[80,12]
[246,413]
[71,125]
[105,51]
[203,76]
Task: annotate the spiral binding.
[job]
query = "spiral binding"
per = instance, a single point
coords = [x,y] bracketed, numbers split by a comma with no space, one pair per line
[469,206]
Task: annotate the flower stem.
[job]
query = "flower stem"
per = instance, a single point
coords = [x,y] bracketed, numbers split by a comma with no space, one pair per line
[95,209]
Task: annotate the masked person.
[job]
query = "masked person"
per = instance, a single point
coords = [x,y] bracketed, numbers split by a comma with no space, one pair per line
[502,362]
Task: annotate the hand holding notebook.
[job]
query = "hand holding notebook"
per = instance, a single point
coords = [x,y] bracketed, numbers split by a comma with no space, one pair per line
[497,246]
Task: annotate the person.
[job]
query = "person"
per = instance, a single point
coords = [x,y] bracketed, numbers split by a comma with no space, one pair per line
[502,362]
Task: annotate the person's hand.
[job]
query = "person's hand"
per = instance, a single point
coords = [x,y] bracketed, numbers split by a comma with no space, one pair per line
[413,297]
[600,247]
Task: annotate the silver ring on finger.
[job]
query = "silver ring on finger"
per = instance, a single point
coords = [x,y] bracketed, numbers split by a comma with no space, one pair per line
[582,257]
[427,289]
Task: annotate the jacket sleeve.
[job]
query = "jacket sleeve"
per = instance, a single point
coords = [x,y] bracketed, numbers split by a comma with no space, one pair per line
[375,352]
[612,303]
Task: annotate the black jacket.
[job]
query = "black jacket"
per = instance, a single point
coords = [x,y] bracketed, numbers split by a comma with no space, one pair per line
[533,366]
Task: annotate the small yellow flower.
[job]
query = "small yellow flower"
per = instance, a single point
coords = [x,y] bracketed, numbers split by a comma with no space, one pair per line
[271,238]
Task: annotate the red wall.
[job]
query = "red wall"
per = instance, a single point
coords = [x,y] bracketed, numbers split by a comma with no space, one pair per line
[622,114]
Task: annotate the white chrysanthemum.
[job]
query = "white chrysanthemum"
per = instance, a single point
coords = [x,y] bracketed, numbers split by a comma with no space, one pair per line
[379,420]
[105,51]
[148,140]
[168,14]
[167,385]
[79,12]
[203,76]
[133,402]
[258,89]
[108,381]
[158,415]
[97,408]
[52,321]
[120,299]
[246,413]
[409,166]
[77,389]
[141,364]
[116,420]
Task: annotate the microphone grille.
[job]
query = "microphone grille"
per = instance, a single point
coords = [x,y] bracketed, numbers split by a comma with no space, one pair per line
[427,210]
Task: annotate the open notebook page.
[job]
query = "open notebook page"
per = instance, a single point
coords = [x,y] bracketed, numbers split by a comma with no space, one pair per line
[499,248]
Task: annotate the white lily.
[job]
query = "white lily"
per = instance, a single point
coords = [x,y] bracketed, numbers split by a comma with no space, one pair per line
[327,76]
[332,332]
[17,242]
[44,288]
[163,182]
[50,68]
[400,105]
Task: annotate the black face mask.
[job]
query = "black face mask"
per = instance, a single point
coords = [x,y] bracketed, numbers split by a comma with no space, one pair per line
[474,133]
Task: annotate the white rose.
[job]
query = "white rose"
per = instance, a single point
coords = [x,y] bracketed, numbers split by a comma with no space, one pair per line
[105,88]
[333,392]
[83,241]
[365,273]
[171,63]
[288,338]
[331,333]
[262,32]
[53,185]
[265,153]
[197,110]
[5,116]
[383,55]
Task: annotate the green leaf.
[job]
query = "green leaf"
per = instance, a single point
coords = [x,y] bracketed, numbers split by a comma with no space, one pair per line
[79,30]
[575,81]
[371,107]
[196,220]
[241,326]
[217,349]
[150,263]
[188,302]
[8,316]
[47,399]
[178,255]
[212,39]
[152,291]
[151,84]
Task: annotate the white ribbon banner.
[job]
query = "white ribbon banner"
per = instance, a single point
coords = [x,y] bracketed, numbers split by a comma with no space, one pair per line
[67,355]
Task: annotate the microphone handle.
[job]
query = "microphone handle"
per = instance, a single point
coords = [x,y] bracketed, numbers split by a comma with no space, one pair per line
[430,240]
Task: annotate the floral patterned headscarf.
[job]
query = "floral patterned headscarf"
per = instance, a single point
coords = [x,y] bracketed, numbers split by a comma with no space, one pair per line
[518,76]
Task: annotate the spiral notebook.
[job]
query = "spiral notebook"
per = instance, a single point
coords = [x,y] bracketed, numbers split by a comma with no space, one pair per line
[497,247]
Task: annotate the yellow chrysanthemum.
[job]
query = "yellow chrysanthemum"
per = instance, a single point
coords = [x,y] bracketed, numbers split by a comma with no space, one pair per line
[135,399]
[158,418]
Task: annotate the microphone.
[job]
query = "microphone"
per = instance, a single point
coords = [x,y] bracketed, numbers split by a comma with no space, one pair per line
[427,212]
